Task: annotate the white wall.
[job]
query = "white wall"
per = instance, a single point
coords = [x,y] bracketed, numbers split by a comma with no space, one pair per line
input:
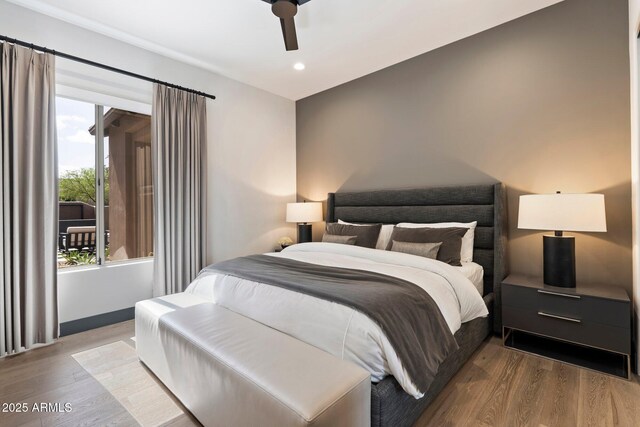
[251,153]
[87,291]
[634,25]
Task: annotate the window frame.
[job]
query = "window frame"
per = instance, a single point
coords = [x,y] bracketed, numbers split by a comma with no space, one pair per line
[99,153]
[93,98]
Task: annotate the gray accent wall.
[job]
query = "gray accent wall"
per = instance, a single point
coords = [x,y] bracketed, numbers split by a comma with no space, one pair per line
[540,103]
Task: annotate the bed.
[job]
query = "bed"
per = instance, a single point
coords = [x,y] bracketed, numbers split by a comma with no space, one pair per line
[390,404]
[466,309]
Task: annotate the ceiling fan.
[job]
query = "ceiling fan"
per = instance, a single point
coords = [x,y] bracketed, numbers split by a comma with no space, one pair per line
[286,10]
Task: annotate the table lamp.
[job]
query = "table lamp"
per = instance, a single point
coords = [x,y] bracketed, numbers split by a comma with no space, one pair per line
[561,212]
[304,213]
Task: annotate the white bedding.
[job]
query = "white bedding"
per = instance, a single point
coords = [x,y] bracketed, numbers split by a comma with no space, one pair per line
[475,273]
[337,329]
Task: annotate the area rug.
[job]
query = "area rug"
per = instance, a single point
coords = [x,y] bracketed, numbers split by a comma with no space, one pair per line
[117,368]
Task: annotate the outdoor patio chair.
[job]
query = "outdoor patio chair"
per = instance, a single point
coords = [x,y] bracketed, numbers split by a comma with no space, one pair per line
[80,238]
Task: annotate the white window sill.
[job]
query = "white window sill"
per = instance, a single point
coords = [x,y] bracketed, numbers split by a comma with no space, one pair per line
[110,264]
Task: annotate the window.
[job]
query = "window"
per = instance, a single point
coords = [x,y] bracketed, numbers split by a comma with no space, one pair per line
[105,184]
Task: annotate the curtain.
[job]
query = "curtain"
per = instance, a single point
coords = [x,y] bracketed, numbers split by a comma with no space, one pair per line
[178,126]
[29,199]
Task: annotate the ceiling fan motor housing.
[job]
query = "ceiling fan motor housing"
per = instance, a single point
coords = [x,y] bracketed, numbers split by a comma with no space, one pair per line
[284,9]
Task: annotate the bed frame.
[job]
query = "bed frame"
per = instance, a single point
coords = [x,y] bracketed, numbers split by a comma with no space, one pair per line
[390,405]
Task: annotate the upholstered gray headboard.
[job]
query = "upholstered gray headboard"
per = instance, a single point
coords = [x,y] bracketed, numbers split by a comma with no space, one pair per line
[483,203]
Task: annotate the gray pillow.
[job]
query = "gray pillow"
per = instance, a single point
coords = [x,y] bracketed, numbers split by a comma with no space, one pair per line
[451,239]
[334,238]
[427,250]
[367,234]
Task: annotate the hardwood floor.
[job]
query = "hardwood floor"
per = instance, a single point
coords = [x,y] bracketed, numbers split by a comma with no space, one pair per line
[501,387]
[51,375]
[497,387]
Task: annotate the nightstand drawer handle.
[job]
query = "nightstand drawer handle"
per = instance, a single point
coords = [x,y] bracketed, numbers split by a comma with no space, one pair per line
[558,294]
[569,319]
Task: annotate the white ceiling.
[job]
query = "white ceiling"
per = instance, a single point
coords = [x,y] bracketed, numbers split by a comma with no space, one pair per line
[340,40]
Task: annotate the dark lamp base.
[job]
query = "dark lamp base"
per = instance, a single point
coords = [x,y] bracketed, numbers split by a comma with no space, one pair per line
[304,233]
[560,261]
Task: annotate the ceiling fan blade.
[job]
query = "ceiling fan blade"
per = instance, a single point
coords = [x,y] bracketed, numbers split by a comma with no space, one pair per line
[289,33]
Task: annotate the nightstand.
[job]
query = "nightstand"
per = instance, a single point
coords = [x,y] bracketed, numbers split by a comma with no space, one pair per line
[588,326]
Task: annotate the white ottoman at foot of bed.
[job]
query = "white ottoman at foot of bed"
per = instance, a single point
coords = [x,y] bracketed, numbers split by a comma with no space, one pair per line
[148,344]
[229,370]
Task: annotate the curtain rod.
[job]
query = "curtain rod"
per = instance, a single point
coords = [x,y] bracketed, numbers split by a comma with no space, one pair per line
[103,66]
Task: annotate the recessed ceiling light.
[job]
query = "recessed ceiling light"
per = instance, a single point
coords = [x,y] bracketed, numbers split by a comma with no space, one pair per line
[299,66]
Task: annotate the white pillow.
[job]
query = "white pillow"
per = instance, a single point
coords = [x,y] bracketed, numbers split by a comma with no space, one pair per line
[466,250]
[383,237]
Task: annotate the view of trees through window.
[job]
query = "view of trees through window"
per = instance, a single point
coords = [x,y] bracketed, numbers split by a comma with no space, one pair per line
[80,186]
[123,220]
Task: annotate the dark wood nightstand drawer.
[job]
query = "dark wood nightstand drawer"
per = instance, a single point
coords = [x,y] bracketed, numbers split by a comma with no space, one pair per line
[572,329]
[586,308]
[534,300]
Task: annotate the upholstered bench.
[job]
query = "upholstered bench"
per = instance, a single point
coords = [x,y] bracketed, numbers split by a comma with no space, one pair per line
[148,313]
[229,370]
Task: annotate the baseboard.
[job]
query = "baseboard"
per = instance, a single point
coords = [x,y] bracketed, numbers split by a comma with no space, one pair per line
[97,321]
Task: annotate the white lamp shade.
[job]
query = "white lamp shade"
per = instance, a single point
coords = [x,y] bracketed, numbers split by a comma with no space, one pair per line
[304,212]
[562,212]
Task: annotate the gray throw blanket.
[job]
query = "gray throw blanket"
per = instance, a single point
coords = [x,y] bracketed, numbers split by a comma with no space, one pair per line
[407,315]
